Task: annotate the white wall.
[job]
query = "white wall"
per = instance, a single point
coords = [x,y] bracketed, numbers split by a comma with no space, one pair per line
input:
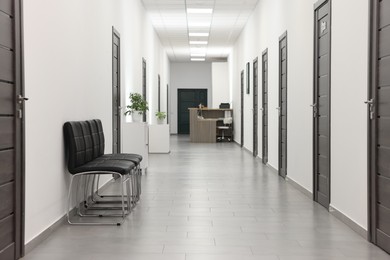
[349,87]
[141,43]
[220,84]
[68,77]
[349,113]
[190,75]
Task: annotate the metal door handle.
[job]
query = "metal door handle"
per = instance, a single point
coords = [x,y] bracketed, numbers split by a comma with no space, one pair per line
[371,107]
[21,99]
[314,106]
[280,111]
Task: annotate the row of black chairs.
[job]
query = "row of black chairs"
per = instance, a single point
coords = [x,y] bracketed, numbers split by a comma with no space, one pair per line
[86,161]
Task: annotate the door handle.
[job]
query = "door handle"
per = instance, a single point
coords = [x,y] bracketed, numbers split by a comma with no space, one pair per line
[371,104]
[315,110]
[280,111]
[21,99]
[262,111]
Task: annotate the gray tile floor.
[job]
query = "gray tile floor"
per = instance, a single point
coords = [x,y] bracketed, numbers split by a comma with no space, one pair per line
[213,202]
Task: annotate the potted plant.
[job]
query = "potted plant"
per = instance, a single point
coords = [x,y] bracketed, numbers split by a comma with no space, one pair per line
[160,117]
[138,106]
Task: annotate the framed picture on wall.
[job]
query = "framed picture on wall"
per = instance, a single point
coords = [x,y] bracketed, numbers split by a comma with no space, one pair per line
[248,87]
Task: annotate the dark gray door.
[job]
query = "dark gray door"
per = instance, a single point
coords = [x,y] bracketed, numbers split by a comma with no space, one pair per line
[283,105]
[116,92]
[379,134]
[11,132]
[188,98]
[144,94]
[255,108]
[242,108]
[321,107]
[265,105]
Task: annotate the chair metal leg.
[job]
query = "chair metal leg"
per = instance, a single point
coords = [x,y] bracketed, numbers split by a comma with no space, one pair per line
[125,209]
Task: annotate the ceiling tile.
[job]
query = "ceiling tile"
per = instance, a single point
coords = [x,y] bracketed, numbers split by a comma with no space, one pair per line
[170,20]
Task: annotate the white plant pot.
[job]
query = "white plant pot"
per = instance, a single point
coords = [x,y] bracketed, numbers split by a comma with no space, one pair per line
[160,121]
[137,116]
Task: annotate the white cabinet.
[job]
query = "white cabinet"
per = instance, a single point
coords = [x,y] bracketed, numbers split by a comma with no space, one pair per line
[135,140]
[159,138]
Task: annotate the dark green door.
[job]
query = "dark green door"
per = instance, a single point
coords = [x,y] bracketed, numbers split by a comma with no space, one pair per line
[188,98]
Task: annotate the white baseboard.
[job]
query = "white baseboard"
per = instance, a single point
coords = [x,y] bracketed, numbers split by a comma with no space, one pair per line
[299,187]
[33,243]
[349,222]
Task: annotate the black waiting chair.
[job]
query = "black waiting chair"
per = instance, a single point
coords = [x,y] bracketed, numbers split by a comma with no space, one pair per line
[85,159]
[98,142]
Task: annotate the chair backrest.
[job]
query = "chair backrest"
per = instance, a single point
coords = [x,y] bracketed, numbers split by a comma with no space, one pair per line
[95,138]
[74,144]
[80,145]
[88,141]
[99,126]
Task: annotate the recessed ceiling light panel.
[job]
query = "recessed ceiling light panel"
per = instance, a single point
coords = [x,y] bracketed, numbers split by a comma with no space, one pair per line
[198,59]
[199,10]
[199,24]
[199,42]
[198,55]
[198,34]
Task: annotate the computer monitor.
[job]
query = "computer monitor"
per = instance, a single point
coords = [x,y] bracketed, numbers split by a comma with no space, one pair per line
[224,105]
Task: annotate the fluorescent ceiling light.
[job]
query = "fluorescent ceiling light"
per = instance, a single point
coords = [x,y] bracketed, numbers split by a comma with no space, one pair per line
[199,10]
[199,24]
[199,42]
[198,59]
[198,55]
[193,34]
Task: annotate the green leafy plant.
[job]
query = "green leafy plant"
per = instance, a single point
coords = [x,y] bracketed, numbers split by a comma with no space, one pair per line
[161,115]
[137,103]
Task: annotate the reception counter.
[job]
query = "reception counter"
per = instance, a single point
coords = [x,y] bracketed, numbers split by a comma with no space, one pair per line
[204,122]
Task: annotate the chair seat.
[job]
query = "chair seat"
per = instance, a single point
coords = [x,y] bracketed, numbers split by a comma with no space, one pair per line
[223,127]
[135,158]
[122,167]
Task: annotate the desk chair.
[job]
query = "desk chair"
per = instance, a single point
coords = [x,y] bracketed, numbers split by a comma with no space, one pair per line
[227,123]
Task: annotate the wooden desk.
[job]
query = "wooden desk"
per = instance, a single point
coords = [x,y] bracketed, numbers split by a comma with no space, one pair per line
[203,124]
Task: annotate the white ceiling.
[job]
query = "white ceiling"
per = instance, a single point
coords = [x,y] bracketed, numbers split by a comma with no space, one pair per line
[170,20]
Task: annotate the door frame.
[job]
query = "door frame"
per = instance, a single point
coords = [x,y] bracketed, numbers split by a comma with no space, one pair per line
[19,162]
[242,106]
[255,110]
[372,124]
[284,35]
[167,103]
[264,111]
[159,92]
[116,34]
[144,85]
[318,5]
[21,136]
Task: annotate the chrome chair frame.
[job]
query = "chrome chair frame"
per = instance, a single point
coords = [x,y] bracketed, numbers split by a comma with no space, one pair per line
[124,179]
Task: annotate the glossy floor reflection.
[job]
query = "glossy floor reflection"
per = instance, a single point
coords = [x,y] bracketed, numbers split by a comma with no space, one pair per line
[213,202]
